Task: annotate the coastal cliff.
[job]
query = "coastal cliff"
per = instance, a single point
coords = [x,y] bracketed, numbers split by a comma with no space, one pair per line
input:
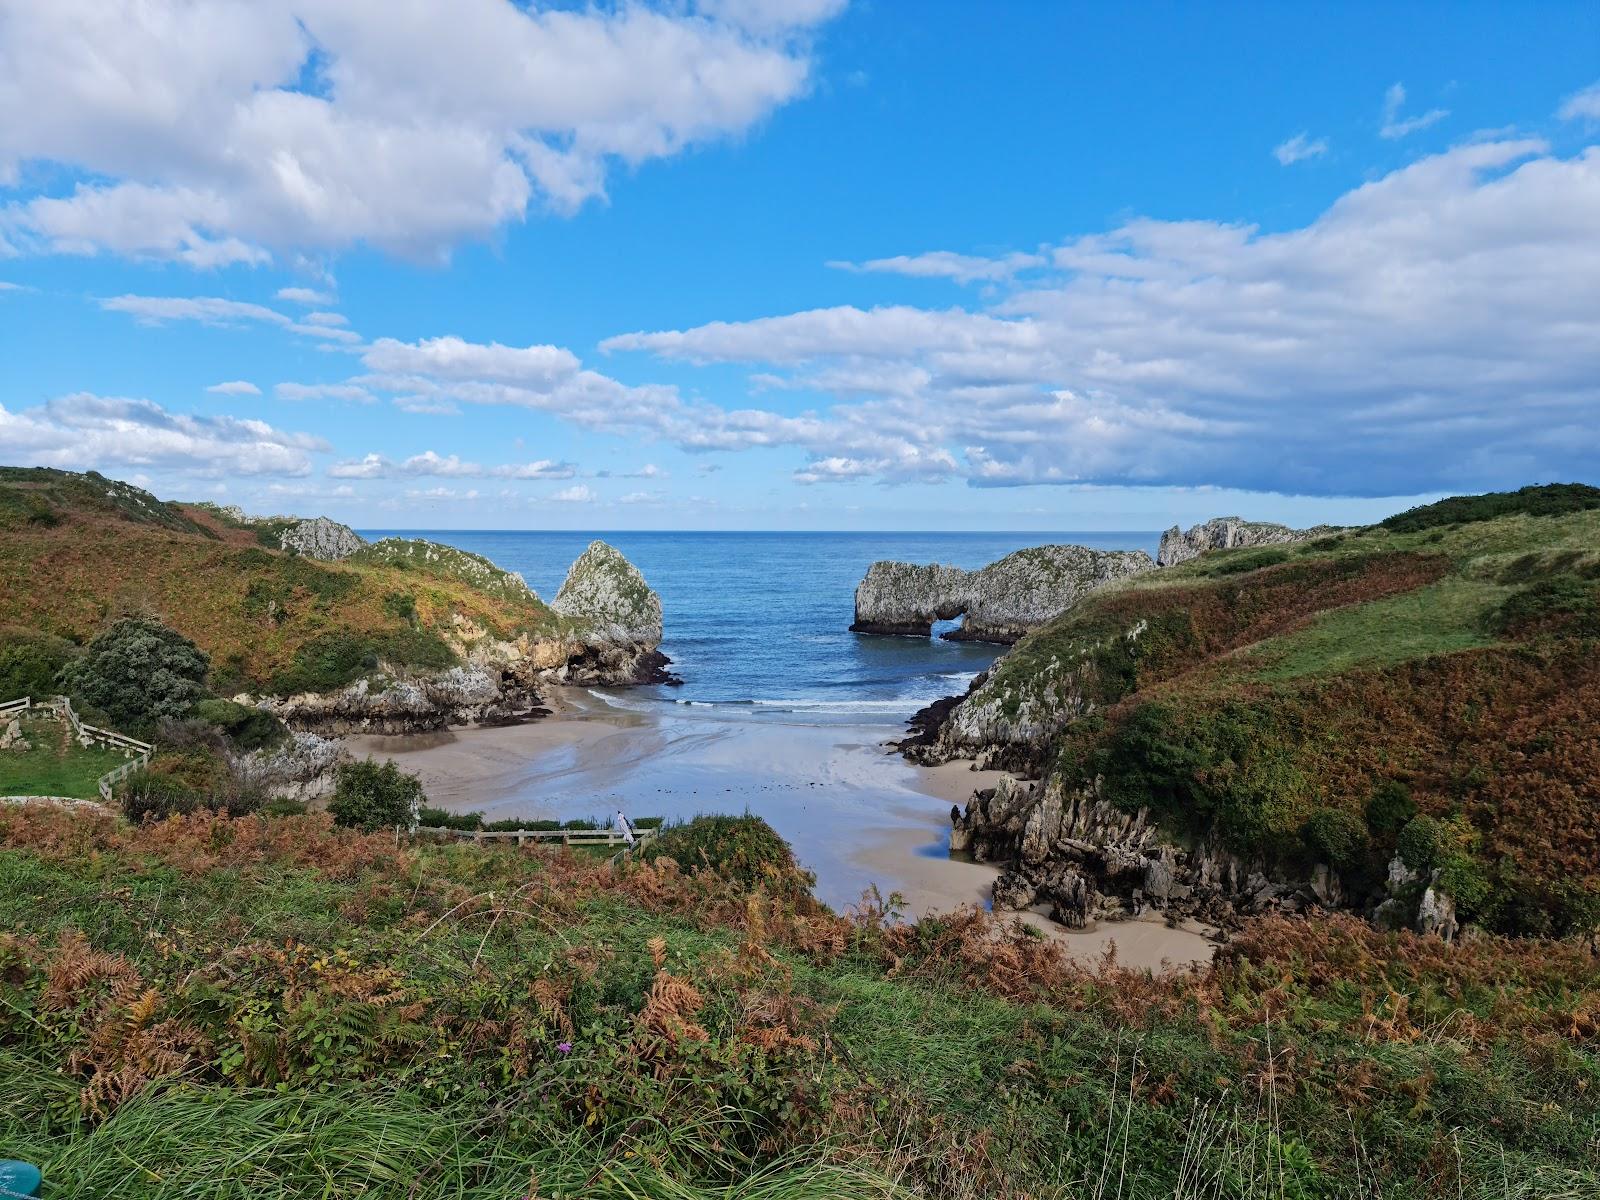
[1229,533]
[1395,720]
[305,618]
[999,602]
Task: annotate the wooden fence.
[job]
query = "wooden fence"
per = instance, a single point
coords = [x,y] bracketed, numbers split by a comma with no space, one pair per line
[565,837]
[139,752]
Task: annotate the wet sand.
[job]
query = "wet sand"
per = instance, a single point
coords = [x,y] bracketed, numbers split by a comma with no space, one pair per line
[855,812]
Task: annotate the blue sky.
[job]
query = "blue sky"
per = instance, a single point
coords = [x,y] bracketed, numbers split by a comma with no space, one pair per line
[802,263]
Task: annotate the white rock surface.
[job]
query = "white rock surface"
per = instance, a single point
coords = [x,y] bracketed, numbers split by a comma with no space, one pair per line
[323,539]
[1001,601]
[1227,533]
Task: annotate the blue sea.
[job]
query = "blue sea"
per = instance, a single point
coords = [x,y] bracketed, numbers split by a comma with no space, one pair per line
[758,623]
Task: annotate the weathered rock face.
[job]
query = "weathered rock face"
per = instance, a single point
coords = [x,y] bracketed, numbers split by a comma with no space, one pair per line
[621,616]
[1089,860]
[458,696]
[1001,601]
[302,769]
[1227,533]
[1009,721]
[321,538]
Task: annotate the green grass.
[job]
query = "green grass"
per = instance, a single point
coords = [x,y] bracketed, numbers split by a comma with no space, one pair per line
[1437,619]
[56,765]
[920,1081]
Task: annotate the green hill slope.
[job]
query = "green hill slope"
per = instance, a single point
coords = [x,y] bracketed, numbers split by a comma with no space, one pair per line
[1237,700]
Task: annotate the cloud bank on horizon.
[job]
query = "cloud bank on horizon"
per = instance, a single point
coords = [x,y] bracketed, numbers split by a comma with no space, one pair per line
[1435,328]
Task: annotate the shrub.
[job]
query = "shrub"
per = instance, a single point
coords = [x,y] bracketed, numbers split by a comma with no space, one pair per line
[282,806]
[368,795]
[1547,500]
[248,728]
[744,850]
[1336,836]
[581,823]
[1238,564]
[137,672]
[1423,843]
[194,778]
[440,818]
[30,663]
[1389,808]
[340,657]
[1562,603]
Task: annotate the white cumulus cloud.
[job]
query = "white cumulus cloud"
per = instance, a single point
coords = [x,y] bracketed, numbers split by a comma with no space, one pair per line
[215,132]
[1392,125]
[1299,148]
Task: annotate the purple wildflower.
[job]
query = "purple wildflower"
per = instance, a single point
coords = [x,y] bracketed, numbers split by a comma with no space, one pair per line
[564,1047]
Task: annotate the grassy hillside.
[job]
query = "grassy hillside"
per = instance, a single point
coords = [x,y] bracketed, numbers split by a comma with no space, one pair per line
[79,550]
[1452,653]
[271,1007]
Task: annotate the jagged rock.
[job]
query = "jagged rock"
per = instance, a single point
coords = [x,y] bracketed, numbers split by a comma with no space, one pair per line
[1012,891]
[12,738]
[301,769]
[1226,533]
[621,616]
[321,538]
[1072,899]
[1000,602]
[1326,886]
[1437,912]
[1400,875]
[456,696]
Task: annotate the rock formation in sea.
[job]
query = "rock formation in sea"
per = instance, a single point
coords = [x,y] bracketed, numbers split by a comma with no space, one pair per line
[322,538]
[621,616]
[1227,533]
[999,602]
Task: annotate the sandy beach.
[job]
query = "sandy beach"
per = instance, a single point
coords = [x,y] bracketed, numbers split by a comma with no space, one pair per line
[856,812]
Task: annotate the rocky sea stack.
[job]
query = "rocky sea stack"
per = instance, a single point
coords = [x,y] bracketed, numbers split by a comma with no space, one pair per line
[621,616]
[999,602]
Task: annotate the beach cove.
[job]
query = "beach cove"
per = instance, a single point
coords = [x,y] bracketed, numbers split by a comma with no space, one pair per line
[856,813]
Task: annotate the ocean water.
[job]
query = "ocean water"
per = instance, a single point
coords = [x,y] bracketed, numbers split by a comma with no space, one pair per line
[757,624]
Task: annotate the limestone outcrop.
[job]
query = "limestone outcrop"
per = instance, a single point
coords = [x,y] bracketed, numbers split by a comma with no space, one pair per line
[457,696]
[999,602]
[621,618]
[1228,533]
[322,538]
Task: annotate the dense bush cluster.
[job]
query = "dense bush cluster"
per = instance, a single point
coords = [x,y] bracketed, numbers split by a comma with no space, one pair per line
[137,672]
[1543,500]
[341,657]
[31,663]
[369,795]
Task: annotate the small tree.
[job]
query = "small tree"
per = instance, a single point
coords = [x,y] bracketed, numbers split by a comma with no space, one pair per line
[369,796]
[137,672]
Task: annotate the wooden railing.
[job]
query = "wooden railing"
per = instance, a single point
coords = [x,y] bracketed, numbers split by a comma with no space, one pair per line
[61,706]
[566,837]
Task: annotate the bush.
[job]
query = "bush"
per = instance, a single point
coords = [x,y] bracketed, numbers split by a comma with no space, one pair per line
[581,823]
[1238,564]
[744,850]
[1423,843]
[1337,837]
[1547,500]
[137,672]
[439,818]
[1563,603]
[370,796]
[341,657]
[1389,808]
[30,663]
[247,728]
[192,779]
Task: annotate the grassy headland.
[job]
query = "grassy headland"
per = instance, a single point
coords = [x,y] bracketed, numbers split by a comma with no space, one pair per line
[77,551]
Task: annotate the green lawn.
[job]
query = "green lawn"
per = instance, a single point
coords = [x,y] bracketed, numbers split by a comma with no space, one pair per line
[1440,618]
[56,765]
